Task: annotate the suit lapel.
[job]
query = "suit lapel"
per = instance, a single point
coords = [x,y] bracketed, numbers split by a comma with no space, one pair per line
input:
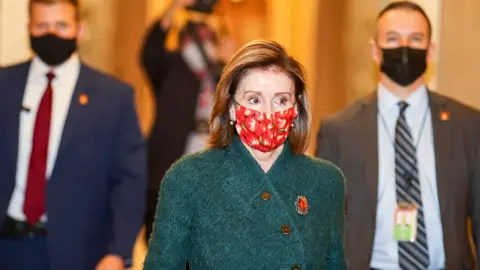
[367,124]
[78,106]
[14,105]
[441,124]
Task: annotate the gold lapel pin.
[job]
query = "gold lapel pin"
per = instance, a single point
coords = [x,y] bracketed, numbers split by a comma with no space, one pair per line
[83,99]
[444,116]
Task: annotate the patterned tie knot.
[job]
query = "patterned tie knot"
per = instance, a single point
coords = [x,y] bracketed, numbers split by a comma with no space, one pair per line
[50,76]
[403,106]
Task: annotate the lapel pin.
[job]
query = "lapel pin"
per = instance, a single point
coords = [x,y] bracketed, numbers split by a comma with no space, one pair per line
[302,205]
[444,116]
[83,99]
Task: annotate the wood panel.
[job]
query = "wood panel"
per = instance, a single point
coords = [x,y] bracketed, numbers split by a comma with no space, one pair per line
[14,42]
[130,27]
[459,66]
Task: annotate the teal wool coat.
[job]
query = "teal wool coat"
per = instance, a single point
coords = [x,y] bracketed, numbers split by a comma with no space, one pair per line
[219,210]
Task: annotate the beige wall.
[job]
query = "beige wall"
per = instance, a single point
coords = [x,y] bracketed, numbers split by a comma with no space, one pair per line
[130,25]
[459,67]
[344,70]
[359,22]
[14,44]
[95,47]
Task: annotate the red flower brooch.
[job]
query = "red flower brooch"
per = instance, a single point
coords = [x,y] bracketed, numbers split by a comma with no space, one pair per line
[302,205]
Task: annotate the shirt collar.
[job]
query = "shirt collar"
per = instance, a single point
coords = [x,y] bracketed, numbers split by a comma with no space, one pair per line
[64,70]
[387,101]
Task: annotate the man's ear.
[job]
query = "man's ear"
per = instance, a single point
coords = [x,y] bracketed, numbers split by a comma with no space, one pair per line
[81,29]
[431,51]
[376,51]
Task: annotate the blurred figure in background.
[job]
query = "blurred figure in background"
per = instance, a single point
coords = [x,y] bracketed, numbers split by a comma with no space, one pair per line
[68,125]
[183,77]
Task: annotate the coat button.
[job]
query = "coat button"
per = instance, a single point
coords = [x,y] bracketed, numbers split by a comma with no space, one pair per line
[266,195]
[296,267]
[286,229]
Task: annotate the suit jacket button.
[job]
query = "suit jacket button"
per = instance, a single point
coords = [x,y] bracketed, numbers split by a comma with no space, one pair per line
[286,229]
[266,195]
[296,267]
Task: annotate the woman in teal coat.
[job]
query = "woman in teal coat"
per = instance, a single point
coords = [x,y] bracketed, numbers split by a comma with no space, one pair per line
[253,200]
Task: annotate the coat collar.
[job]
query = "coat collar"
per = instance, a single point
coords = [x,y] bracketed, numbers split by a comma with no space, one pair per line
[239,149]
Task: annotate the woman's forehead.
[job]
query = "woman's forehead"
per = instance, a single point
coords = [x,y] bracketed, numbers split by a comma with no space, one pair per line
[266,82]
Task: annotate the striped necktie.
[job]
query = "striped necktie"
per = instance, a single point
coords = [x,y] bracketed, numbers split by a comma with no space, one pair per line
[411,255]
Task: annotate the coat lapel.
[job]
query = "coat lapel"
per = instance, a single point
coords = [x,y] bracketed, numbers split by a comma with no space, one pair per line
[441,124]
[367,124]
[14,106]
[78,107]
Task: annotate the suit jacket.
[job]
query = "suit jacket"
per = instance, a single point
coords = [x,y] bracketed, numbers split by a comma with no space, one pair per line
[219,210]
[96,189]
[349,139]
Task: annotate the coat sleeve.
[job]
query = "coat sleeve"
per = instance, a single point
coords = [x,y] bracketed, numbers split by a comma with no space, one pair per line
[474,207]
[170,239]
[335,259]
[326,143]
[127,176]
[154,58]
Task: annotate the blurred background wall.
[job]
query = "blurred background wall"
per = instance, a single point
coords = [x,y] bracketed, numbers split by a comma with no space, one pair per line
[14,44]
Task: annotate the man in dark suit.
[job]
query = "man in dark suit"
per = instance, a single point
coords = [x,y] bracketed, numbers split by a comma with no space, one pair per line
[72,158]
[406,145]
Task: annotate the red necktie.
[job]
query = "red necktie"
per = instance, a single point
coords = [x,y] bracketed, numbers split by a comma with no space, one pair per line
[34,205]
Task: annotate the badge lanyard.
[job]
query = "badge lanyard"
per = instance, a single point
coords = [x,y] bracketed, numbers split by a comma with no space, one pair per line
[420,133]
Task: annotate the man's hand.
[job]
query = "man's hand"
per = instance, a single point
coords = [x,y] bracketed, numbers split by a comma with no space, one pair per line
[111,262]
[174,7]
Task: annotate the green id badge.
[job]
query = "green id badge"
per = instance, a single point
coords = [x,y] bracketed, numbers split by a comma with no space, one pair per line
[405,225]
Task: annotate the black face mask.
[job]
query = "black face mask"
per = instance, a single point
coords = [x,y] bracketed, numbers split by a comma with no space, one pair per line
[404,65]
[52,49]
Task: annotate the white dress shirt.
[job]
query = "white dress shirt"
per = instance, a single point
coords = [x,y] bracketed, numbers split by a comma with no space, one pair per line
[66,76]
[385,248]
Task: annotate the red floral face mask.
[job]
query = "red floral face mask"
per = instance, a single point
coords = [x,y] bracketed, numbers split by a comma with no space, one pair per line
[264,131]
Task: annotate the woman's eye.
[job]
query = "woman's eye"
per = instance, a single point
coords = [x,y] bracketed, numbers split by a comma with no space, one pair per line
[253,100]
[283,101]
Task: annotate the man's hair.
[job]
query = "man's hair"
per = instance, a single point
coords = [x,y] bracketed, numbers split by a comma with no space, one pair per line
[51,2]
[407,5]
